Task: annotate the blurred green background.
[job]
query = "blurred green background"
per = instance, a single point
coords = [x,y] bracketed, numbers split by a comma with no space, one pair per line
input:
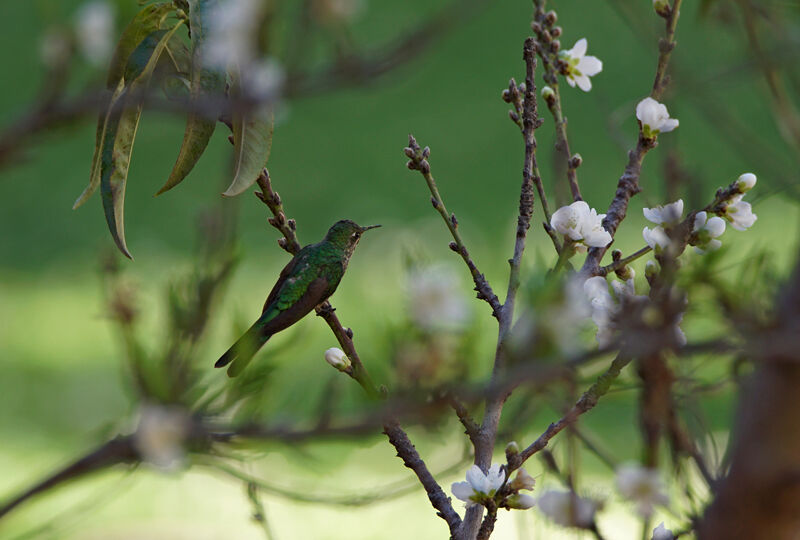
[339,155]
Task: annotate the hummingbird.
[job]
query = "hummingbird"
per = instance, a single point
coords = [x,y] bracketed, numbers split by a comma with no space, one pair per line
[309,279]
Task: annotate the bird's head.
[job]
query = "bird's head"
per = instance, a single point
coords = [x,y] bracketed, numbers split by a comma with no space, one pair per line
[346,234]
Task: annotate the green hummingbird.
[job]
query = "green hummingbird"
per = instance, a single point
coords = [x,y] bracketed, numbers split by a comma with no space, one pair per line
[307,281]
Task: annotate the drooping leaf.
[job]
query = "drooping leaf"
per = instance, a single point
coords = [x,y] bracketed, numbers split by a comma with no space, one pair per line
[208,85]
[120,128]
[148,20]
[252,141]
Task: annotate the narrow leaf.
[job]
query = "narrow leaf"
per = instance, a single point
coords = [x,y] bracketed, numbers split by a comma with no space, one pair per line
[120,132]
[208,84]
[147,21]
[252,141]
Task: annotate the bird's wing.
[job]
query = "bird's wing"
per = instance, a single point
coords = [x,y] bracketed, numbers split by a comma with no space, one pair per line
[285,273]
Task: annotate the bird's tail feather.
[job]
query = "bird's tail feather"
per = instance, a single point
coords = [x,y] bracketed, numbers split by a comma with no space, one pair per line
[241,353]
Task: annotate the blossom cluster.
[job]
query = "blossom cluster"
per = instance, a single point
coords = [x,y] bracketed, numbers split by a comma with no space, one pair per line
[582,225]
[480,487]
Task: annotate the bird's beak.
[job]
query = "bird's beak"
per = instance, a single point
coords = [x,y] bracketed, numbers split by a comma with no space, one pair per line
[369,227]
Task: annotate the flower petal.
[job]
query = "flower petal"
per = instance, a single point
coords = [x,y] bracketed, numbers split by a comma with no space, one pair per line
[579,49]
[590,65]
[462,490]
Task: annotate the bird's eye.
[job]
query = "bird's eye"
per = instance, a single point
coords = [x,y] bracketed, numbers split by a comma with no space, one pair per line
[355,236]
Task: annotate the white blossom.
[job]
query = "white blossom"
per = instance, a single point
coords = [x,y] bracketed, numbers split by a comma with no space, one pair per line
[669,214]
[581,224]
[643,486]
[746,182]
[656,238]
[337,358]
[94,26]
[706,232]
[232,33]
[161,434]
[479,485]
[435,299]
[581,67]
[662,533]
[654,118]
[568,509]
[740,214]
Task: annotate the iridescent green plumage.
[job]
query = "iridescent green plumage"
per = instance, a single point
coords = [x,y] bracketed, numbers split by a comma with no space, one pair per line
[307,281]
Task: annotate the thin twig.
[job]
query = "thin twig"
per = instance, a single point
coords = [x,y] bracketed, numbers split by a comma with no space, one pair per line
[412,460]
[418,160]
[586,403]
[621,263]
[547,48]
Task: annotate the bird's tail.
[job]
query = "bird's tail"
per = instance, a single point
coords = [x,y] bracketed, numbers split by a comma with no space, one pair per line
[242,352]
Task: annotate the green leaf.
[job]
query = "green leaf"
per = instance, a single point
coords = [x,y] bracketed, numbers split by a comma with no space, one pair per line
[120,128]
[252,141]
[208,84]
[148,20]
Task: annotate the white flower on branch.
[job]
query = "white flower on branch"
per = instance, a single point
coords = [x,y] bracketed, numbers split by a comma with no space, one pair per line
[669,214]
[656,238]
[705,232]
[161,435]
[746,182]
[581,224]
[643,486]
[435,299]
[336,357]
[579,66]
[740,214]
[654,118]
[662,533]
[479,486]
[568,509]
[94,25]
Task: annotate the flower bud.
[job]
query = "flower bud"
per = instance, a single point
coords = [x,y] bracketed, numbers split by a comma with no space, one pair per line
[662,7]
[337,359]
[522,481]
[746,182]
[651,269]
[556,31]
[551,18]
[520,501]
[548,94]
[512,448]
[575,161]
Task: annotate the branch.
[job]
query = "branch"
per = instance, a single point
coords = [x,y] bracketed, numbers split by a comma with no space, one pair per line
[418,160]
[530,175]
[411,459]
[113,452]
[586,403]
[547,47]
